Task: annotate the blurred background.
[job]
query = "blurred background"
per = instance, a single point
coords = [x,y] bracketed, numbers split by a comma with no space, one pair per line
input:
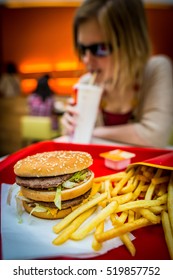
[37,37]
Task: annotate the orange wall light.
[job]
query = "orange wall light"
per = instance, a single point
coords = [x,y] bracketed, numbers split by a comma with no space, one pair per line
[35,68]
[63,86]
[28,85]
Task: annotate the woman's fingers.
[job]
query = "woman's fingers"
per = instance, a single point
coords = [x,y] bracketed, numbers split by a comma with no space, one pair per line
[68,121]
[67,124]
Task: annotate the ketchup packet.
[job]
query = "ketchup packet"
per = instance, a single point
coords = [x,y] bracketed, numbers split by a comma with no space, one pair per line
[117,159]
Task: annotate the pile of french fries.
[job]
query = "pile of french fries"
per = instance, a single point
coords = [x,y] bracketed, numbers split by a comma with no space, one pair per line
[138,197]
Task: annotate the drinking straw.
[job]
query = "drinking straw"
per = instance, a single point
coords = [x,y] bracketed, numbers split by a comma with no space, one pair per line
[93,78]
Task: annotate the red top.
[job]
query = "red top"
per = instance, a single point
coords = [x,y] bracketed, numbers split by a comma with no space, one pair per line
[115,119]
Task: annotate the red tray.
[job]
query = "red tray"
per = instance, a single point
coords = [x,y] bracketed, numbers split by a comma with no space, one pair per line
[150,243]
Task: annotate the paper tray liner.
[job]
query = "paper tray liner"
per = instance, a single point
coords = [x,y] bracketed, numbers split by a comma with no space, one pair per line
[150,242]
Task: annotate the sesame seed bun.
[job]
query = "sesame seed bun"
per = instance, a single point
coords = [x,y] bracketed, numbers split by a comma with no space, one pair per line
[55,163]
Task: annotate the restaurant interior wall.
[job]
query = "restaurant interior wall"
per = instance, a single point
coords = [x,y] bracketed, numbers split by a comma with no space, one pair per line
[39,40]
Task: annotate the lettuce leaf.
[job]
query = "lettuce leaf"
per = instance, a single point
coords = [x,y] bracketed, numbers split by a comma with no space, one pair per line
[19,208]
[79,176]
[68,184]
[38,208]
[10,192]
[57,199]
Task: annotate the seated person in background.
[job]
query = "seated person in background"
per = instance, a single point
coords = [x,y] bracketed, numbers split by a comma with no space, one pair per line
[111,38]
[10,81]
[41,101]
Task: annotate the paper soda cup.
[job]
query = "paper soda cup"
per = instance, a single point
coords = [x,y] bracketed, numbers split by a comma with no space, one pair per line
[87,104]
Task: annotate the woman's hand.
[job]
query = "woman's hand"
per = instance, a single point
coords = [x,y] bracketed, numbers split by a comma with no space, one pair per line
[68,121]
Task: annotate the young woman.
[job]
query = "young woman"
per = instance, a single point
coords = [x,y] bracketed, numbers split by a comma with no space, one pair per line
[111,38]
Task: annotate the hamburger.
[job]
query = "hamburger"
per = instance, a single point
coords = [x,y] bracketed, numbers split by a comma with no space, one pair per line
[53,183]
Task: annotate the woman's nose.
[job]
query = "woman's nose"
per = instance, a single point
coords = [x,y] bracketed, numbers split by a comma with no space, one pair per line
[87,57]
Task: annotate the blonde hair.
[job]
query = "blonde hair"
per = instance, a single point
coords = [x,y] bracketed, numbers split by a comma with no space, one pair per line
[124,25]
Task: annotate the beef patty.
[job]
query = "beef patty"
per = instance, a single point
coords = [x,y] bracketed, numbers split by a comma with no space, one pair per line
[42,182]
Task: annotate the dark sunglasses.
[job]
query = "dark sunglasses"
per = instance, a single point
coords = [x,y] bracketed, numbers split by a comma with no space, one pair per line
[99,49]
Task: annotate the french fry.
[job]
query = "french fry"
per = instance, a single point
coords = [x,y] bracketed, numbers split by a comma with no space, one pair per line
[128,243]
[102,188]
[95,244]
[120,220]
[95,189]
[139,169]
[131,216]
[138,197]
[170,200]
[144,188]
[68,219]
[168,232]
[65,234]
[82,232]
[113,177]
[113,219]
[163,199]
[152,186]
[121,199]
[122,182]
[150,191]
[130,187]
[146,213]
[118,231]
[149,173]
[158,209]
[138,190]
[138,204]
[142,178]
[161,190]
[157,181]
[143,168]
[108,188]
